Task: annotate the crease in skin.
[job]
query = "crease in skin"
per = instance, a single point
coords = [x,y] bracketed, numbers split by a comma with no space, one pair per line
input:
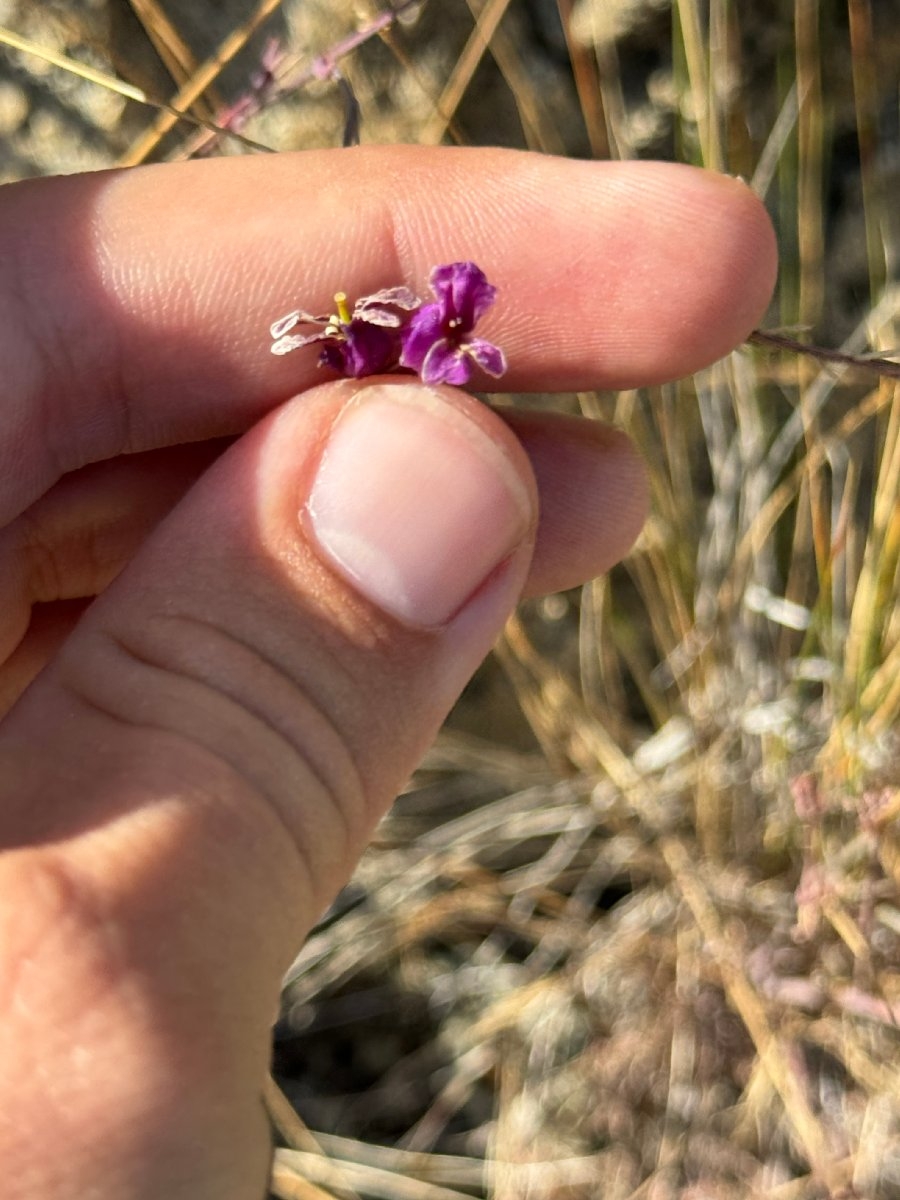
[300,769]
[69,545]
[75,559]
[322,742]
[248,783]
[15,611]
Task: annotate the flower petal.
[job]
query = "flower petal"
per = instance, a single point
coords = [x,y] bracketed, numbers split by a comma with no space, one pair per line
[423,330]
[298,317]
[445,363]
[489,357]
[284,324]
[400,297]
[378,316]
[285,345]
[379,308]
[463,293]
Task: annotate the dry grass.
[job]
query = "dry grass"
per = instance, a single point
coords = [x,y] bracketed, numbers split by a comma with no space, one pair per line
[639,939]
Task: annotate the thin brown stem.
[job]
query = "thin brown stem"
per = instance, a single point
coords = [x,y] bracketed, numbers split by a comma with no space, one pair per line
[779,341]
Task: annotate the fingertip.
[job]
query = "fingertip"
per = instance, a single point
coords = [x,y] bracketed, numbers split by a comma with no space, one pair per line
[748,268]
[700,272]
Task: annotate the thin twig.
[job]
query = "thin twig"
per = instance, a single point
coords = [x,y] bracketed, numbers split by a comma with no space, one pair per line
[474,50]
[323,67]
[199,82]
[779,341]
[113,84]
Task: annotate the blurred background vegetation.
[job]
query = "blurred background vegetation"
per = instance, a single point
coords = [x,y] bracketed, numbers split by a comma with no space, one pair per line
[633,930]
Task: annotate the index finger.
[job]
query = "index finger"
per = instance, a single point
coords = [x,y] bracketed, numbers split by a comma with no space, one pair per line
[135,306]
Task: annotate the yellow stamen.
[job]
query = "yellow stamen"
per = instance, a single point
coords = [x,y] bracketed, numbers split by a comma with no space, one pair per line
[343,311]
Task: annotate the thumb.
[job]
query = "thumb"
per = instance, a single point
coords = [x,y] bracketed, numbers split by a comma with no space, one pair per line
[194,776]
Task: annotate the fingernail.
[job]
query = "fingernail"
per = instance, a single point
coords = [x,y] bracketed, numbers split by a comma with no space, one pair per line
[414,504]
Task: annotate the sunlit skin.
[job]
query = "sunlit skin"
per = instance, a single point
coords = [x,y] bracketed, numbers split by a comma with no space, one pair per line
[244,597]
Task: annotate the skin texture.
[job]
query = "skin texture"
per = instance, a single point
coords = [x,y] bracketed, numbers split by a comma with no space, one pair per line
[206,746]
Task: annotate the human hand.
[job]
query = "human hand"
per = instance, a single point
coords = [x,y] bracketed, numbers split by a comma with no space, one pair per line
[283,619]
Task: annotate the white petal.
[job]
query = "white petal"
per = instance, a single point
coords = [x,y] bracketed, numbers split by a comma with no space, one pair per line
[285,345]
[283,324]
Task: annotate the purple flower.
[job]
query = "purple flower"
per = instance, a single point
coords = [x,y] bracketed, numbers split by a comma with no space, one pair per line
[366,341]
[392,330]
[438,341]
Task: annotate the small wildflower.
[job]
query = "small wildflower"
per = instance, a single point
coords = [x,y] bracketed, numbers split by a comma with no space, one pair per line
[392,329]
[438,341]
[365,341]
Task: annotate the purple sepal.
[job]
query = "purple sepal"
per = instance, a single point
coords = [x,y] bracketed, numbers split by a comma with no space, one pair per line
[360,349]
